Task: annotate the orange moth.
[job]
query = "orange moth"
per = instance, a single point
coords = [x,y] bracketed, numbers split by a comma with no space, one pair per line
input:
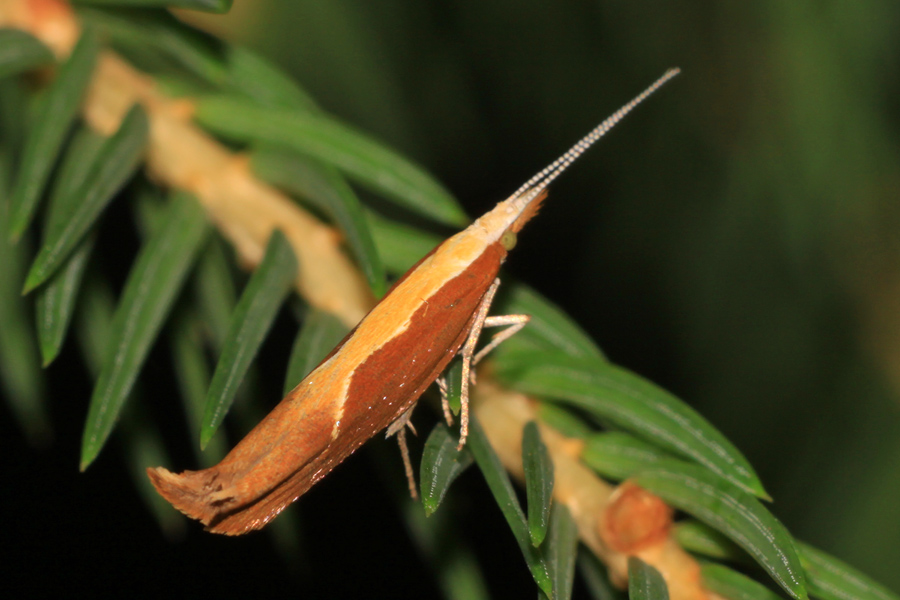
[374,377]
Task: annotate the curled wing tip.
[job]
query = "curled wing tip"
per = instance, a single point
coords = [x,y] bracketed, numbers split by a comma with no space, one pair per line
[190,492]
[185,491]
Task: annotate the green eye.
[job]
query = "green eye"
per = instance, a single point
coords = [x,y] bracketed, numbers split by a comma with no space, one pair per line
[508,239]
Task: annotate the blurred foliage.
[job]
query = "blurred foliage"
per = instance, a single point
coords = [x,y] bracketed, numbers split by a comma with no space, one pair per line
[736,243]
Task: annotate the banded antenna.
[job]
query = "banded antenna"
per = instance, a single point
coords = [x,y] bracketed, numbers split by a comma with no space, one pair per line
[539,182]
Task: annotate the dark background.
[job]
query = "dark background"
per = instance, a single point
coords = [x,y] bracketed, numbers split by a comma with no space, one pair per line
[735,241]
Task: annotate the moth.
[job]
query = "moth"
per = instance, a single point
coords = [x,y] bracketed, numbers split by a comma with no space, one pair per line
[373,378]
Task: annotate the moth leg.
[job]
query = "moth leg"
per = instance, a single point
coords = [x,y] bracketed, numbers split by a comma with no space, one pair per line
[398,427]
[468,350]
[515,322]
[469,358]
[445,400]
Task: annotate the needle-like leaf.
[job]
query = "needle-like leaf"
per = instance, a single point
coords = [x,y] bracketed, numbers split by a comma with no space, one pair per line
[145,445]
[213,6]
[700,538]
[213,286]
[632,403]
[56,300]
[20,372]
[160,34]
[441,464]
[361,158]
[502,489]
[324,185]
[264,83]
[399,246]
[51,123]
[153,283]
[320,332]
[732,585]
[115,163]
[645,582]
[560,550]
[20,51]
[831,579]
[618,455]
[596,577]
[565,421]
[549,326]
[192,374]
[538,470]
[732,511]
[255,312]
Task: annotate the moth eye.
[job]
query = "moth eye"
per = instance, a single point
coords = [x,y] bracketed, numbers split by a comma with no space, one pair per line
[508,239]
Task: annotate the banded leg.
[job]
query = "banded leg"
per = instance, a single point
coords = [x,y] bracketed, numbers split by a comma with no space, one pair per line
[398,427]
[469,358]
[445,400]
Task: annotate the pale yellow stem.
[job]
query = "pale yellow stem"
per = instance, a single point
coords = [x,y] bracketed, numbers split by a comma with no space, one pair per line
[503,414]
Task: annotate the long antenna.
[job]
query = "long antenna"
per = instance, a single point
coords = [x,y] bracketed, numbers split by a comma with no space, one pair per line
[539,182]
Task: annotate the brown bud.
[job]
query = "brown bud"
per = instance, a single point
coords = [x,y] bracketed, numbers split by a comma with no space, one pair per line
[634,520]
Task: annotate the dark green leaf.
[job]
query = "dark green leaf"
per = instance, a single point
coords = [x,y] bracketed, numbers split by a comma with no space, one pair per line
[94,323]
[700,538]
[538,482]
[56,300]
[78,164]
[325,186]
[453,379]
[149,205]
[255,312]
[319,334]
[560,551]
[20,51]
[144,445]
[617,455]
[549,326]
[213,6]
[192,374]
[645,582]
[164,37]
[830,579]
[20,371]
[153,283]
[215,291]
[15,103]
[732,585]
[214,288]
[115,163]
[632,403]
[596,577]
[174,85]
[441,464]
[364,160]
[443,545]
[265,83]
[400,246]
[50,125]
[505,496]
[732,511]
[564,421]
